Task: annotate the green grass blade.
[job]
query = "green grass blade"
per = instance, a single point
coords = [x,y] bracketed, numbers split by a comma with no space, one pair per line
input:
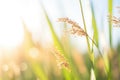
[94,25]
[110,23]
[67,75]
[110,6]
[91,55]
[84,26]
[57,43]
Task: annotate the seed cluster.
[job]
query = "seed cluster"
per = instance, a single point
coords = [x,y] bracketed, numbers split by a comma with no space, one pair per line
[61,60]
[76,29]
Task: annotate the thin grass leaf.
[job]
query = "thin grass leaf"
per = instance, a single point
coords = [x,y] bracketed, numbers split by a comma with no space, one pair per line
[57,43]
[87,40]
[89,49]
[67,75]
[110,6]
[94,25]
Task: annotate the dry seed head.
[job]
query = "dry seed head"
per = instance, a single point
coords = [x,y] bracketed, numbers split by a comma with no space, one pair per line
[61,61]
[76,29]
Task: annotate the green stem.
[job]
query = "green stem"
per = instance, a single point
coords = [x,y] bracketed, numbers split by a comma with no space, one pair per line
[110,8]
[95,46]
[88,44]
[110,23]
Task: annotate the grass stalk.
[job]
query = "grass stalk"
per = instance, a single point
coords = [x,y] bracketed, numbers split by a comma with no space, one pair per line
[94,25]
[110,8]
[91,55]
[88,44]
[110,22]
[57,43]
[96,46]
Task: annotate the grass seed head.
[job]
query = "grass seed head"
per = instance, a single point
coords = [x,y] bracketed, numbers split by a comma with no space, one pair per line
[61,60]
[76,29]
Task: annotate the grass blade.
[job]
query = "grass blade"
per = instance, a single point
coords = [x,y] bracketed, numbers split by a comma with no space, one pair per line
[57,43]
[84,26]
[94,25]
[110,23]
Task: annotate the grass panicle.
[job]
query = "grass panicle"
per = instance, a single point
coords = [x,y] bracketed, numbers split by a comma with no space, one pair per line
[61,60]
[76,29]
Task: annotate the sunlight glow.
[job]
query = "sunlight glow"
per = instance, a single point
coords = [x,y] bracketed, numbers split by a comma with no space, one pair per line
[11,15]
[11,33]
[11,30]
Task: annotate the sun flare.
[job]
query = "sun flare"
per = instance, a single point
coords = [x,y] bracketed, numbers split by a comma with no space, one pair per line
[13,13]
[11,33]
[11,28]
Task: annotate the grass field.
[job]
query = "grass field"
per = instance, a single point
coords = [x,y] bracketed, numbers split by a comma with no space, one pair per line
[56,58]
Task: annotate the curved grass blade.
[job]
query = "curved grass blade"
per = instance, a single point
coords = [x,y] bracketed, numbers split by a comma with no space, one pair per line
[57,43]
